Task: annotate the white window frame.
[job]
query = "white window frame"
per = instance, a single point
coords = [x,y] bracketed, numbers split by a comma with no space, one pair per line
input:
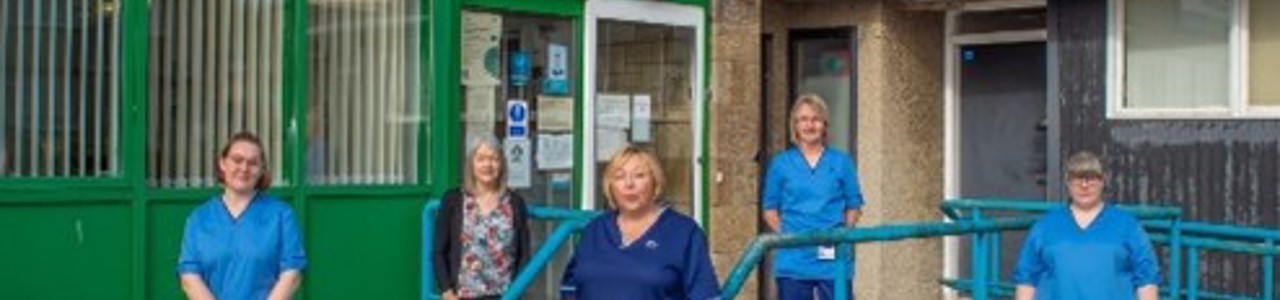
[649,12]
[1238,106]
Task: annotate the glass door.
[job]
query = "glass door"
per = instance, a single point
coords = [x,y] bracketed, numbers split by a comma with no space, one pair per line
[644,87]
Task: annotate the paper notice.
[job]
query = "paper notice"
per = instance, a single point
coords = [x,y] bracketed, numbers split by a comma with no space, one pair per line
[641,114]
[613,111]
[555,113]
[480,36]
[520,173]
[555,151]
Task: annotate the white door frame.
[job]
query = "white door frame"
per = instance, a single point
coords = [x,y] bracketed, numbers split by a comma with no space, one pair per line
[951,95]
[651,12]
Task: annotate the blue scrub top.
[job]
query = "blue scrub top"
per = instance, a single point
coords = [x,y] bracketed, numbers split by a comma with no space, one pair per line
[669,261]
[241,259]
[810,199]
[1108,260]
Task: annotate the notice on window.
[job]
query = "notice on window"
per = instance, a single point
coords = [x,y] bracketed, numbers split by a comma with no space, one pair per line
[481,33]
[481,103]
[641,114]
[557,62]
[555,114]
[609,141]
[520,172]
[555,152]
[613,111]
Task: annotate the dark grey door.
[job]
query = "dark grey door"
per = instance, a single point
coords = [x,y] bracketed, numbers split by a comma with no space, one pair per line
[1003,131]
[1002,121]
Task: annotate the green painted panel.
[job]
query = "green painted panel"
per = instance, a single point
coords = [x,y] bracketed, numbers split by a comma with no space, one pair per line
[165,222]
[545,7]
[65,251]
[363,248]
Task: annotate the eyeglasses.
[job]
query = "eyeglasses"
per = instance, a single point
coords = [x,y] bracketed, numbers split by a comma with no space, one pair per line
[1085,179]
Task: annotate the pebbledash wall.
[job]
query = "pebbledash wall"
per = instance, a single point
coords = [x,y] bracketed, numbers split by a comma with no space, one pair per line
[113,112]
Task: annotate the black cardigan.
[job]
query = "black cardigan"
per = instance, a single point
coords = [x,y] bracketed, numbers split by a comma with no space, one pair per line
[446,253]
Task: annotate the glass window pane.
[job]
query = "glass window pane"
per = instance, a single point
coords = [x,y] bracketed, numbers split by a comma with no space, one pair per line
[364,91]
[1177,53]
[57,81]
[513,59]
[1264,52]
[215,70]
[650,63]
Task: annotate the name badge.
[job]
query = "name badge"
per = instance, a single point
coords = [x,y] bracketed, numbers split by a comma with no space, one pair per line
[826,252]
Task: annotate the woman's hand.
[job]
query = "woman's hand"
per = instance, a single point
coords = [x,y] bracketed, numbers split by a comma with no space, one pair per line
[449,295]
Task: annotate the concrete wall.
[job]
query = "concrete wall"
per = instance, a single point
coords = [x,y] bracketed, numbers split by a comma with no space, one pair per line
[735,127]
[900,128]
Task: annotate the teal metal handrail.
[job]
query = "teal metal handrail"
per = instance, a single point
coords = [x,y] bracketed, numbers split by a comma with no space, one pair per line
[984,230]
[1195,237]
[765,242]
[571,221]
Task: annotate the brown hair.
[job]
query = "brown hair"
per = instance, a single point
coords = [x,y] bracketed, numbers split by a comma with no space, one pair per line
[264,181]
[1085,163]
[625,155]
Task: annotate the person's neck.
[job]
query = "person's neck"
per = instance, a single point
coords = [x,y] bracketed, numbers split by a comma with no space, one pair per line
[237,198]
[1089,209]
[811,148]
[639,215]
[486,192]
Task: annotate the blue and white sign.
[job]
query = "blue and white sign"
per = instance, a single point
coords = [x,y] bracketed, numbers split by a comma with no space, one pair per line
[517,119]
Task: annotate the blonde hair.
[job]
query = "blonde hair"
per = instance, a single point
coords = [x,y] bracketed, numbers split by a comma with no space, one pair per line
[469,179]
[621,158]
[814,102]
[1084,163]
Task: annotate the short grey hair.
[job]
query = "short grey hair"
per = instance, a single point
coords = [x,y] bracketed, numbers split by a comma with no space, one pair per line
[469,175]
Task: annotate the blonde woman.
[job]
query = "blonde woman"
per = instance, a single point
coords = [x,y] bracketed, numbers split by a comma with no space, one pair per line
[811,186]
[640,249]
[482,231]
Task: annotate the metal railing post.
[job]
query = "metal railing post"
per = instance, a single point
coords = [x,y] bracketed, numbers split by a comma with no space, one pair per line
[842,275]
[428,273]
[1268,273]
[1193,267]
[979,256]
[1175,257]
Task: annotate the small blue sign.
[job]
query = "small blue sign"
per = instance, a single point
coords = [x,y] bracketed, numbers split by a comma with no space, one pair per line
[517,119]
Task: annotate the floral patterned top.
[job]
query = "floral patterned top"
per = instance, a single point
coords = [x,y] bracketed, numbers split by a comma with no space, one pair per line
[488,249]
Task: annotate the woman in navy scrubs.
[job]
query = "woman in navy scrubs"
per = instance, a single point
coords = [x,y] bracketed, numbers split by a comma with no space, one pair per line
[1087,250]
[810,187]
[641,249]
[482,232]
[242,244]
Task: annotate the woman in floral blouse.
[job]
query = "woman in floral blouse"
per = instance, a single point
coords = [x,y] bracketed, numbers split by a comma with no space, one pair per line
[482,233]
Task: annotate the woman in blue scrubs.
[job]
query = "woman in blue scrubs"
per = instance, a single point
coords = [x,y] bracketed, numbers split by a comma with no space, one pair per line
[641,249]
[1087,250]
[810,187]
[242,244]
[482,232]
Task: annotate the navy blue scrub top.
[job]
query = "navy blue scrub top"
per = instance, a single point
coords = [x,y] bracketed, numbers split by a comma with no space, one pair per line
[669,261]
[241,258]
[810,199]
[1108,260]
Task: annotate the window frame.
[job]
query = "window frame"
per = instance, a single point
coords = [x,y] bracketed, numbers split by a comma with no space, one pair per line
[1238,105]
